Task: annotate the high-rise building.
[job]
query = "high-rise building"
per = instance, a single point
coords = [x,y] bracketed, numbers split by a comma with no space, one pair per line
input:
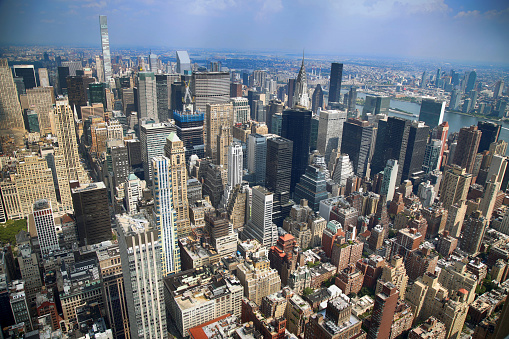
[153,139]
[300,94]
[455,216]
[296,127]
[467,148]
[317,98]
[45,226]
[498,91]
[174,151]
[454,103]
[27,72]
[217,117]
[165,215]
[489,198]
[257,158]
[473,230]
[376,104]
[416,148]
[105,44]
[260,226]
[147,96]
[312,187]
[43,77]
[330,132]
[99,67]
[357,141]
[92,213]
[383,312]
[278,176]
[389,180]
[77,92]
[290,91]
[97,94]
[11,115]
[490,132]
[133,193]
[183,63]
[63,73]
[454,187]
[352,101]
[41,100]
[343,169]
[432,112]
[391,143]
[75,67]
[431,160]
[140,255]
[235,170]
[275,108]
[240,110]
[162,97]
[336,76]
[472,77]
[117,163]
[33,181]
[114,297]
[210,88]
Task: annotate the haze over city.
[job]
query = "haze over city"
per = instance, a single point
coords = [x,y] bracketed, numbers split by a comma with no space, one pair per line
[438,29]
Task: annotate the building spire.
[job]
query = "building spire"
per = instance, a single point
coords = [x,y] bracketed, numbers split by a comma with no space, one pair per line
[301,97]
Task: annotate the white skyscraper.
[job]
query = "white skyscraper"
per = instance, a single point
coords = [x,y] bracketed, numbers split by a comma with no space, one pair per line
[261,227]
[240,110]
[140,256]
[153,139]
[389,181]
[343,170]
[235,166]
[147,96]
[45,226]
[152,59]
[165,215]
[330,131]
[105,44]
[183,62]
[133,193]
[301,95]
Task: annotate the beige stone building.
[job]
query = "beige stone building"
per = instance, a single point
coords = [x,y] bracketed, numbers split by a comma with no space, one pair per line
[396,274]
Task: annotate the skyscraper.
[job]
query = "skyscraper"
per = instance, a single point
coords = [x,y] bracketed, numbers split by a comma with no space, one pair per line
[153,139]
[92,213]
[260,226]
[63,73]
[383,312]
[217,117]
[330,132]
[105,45]
[499,89]
[416,149]
[165,215]
[257,157]
[490,132]
[240,110]
[357,141]
[432,112]
[278,176]
[336,76]
[472,77]
[235,170]
[147,96]
[312,187]
[162,84]
[468,145]
[77,92]
[174,151]
[296,127]
[455,100]
[389,180]
[376,104]
[140,255]
[27,72]
[454,187]
[391,143]
[473,230]
[45,226]
[300,95]
[190,131]
[183,63]
[11,115]
[317,98]
[43,77]
[352,100]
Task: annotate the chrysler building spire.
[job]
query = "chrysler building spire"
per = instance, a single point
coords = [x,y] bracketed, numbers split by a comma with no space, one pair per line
[300,96]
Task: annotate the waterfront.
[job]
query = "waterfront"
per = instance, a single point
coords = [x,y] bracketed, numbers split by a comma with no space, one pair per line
[456,121]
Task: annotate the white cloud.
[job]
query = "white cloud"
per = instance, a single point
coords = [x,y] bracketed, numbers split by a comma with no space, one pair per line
[491,14]
[99,4]
[269,7]
[388,8]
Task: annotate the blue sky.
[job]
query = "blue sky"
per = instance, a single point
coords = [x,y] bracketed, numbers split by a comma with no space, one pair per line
[437,29]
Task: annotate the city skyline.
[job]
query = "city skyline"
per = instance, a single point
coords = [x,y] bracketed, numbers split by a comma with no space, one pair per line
[437,29]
